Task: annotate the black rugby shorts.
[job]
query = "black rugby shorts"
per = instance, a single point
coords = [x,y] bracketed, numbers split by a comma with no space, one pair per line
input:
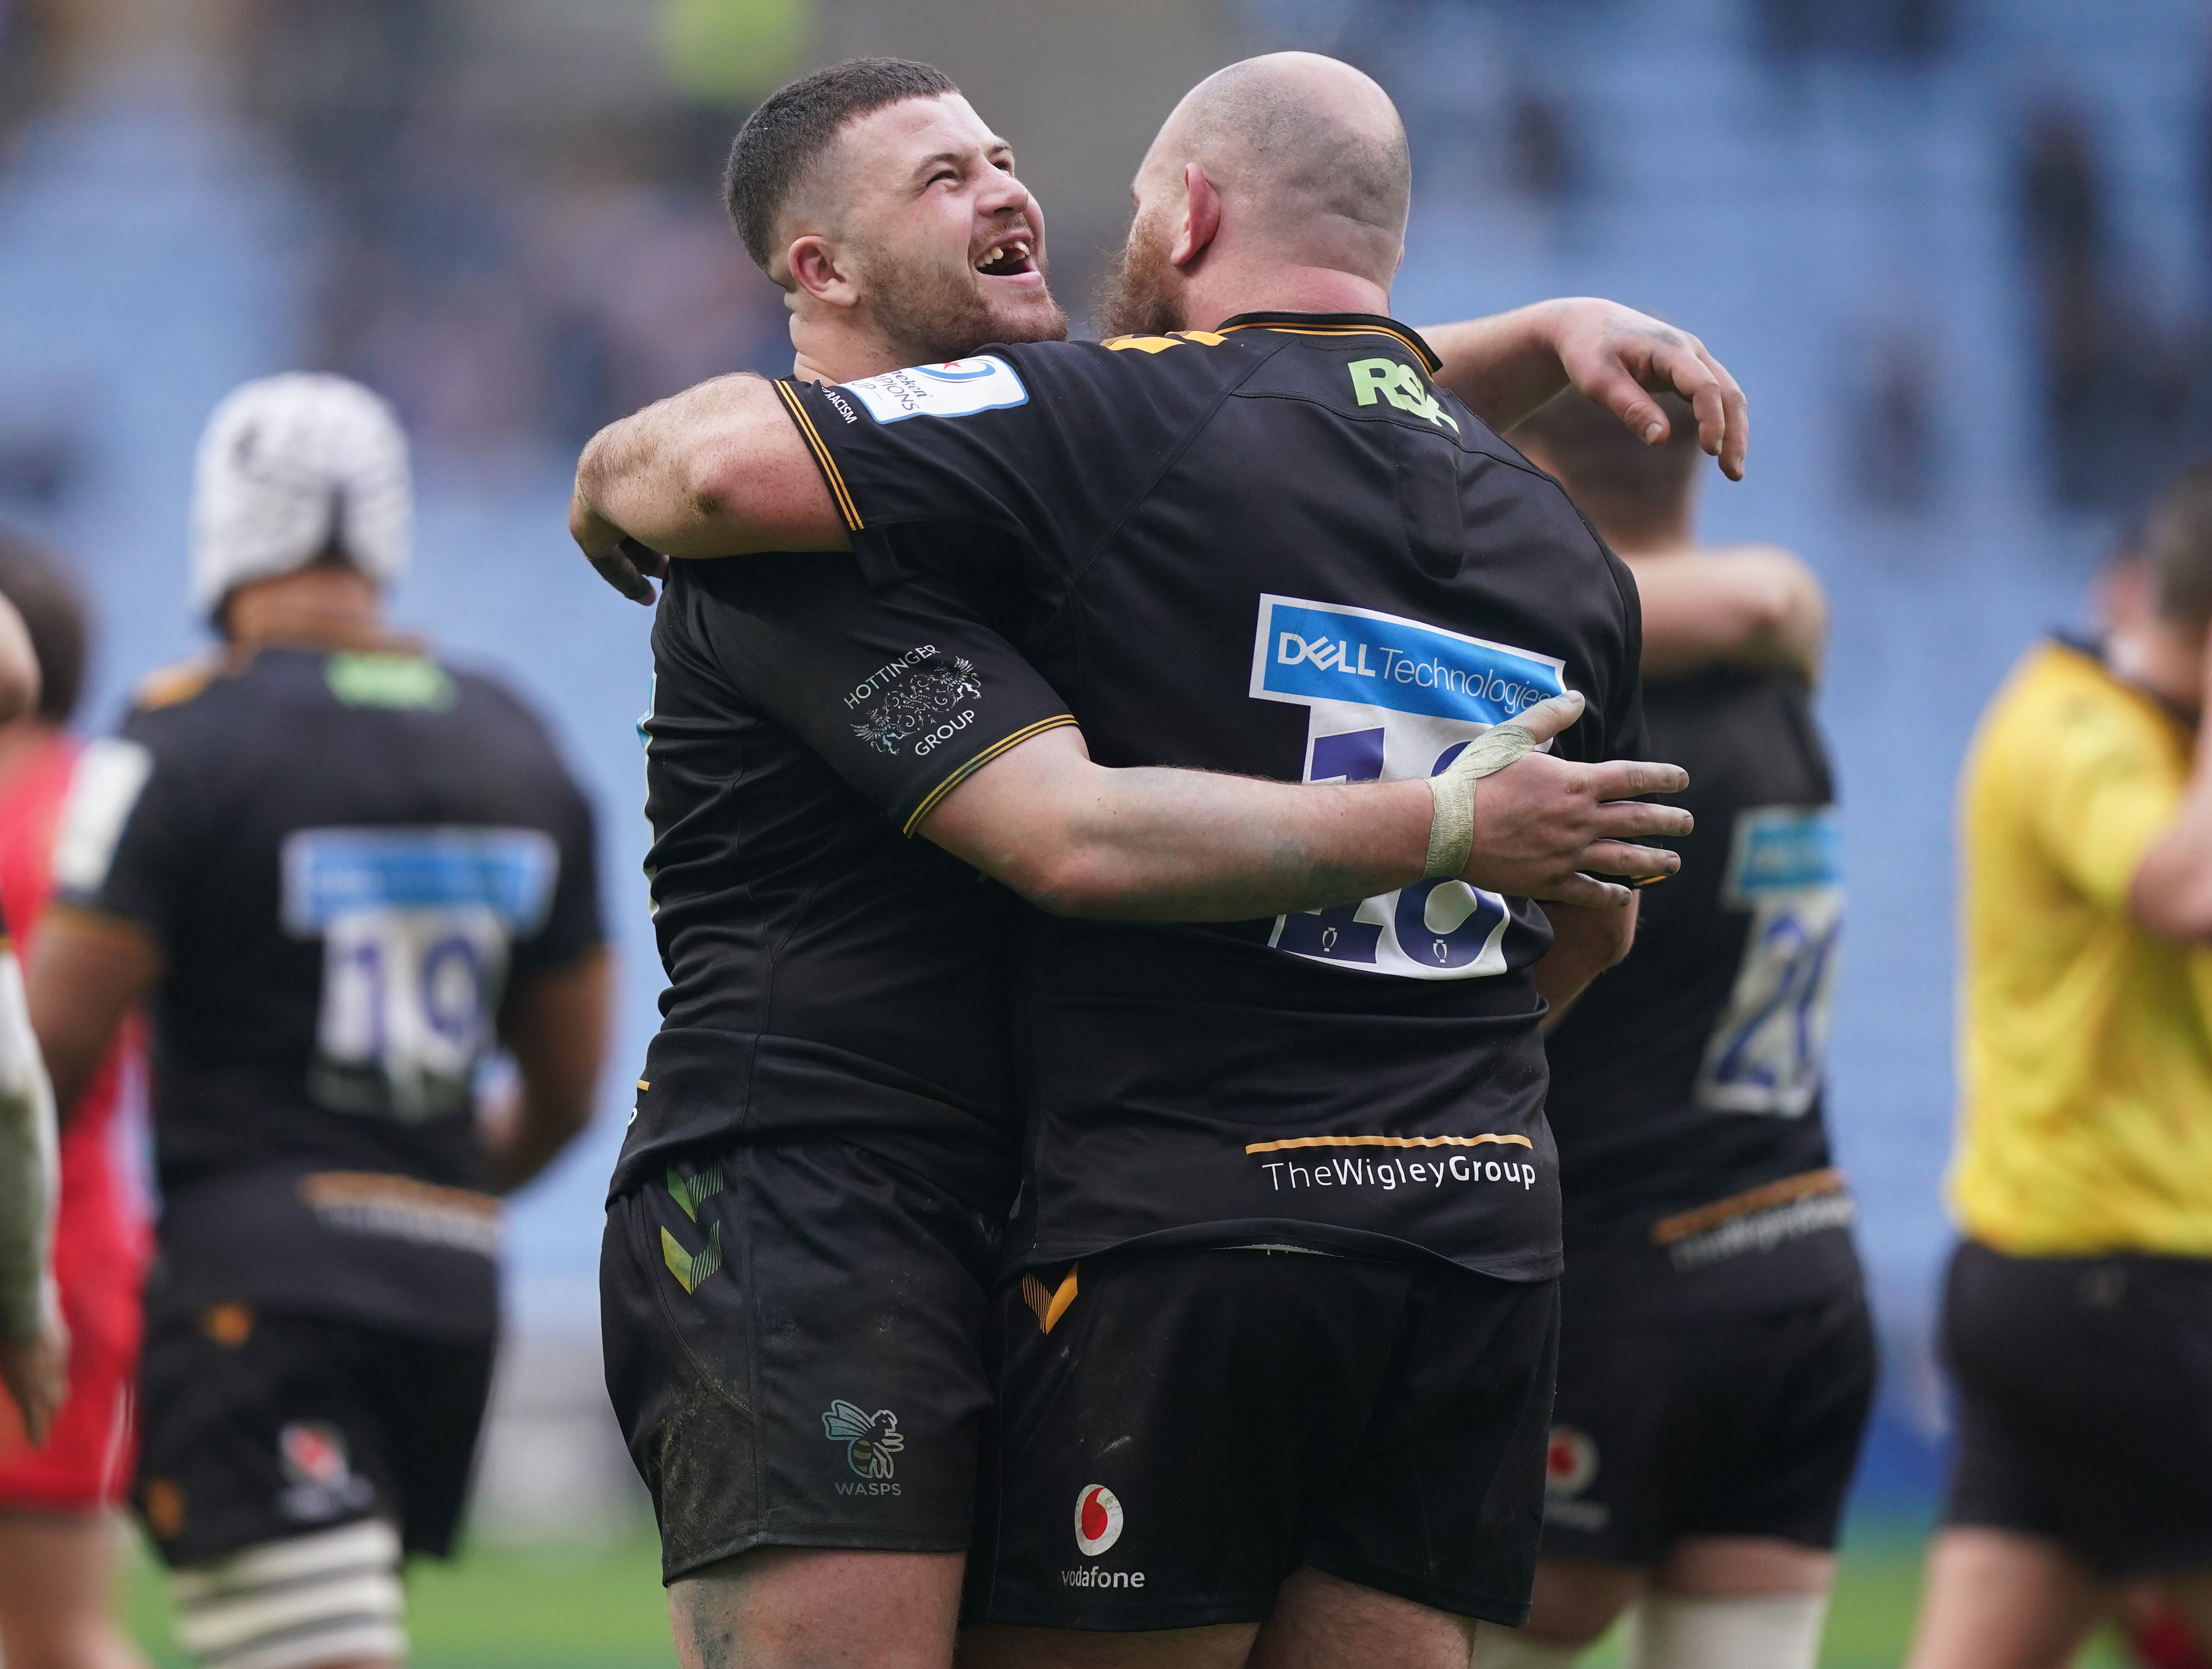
[256,1428]
[1712,1424]
[1199,1423]
[2085,1404]
[793,1337]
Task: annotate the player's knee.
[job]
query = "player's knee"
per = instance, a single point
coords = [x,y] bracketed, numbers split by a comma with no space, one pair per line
[1517,1648]
[1757,1631]
[329,1598]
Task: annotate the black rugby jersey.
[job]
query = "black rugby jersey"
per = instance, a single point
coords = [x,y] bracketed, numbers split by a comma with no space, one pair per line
[347,858]
[827,974]
[1687,1082]
[1278,549]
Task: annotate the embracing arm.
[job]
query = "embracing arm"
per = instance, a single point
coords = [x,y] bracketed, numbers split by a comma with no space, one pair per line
[1761,609]
[1080,839]
[1507,365]
[719,469]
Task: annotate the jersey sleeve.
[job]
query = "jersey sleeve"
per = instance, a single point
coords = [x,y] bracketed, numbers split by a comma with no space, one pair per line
[1049,443]
[903,690]
[131,830]
[2102,787]
[1627,736]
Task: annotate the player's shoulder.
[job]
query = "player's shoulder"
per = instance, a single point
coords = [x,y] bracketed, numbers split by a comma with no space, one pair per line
[2062,704]
[482,691]
[178,684]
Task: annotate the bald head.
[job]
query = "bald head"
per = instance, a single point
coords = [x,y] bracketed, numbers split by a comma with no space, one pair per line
[1308,154]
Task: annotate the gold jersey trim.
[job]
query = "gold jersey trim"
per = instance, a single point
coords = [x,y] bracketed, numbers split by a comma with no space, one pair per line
[813,439]
[976,763]
[1804,1185]
[1388,1142]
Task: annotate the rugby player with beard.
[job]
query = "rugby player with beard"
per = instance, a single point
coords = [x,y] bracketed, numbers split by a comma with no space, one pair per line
[854,981]
[704,474]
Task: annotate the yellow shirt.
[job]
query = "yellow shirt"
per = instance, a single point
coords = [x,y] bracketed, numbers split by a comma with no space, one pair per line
[2085,1042]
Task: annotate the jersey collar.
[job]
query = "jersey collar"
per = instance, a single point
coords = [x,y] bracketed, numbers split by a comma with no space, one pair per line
[1336,324]
[2093,649]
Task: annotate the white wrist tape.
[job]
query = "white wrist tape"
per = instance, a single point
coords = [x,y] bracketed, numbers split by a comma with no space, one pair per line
[1451,826]
[29,1171]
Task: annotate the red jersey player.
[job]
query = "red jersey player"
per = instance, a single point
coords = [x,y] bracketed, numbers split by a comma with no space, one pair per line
[57,1529]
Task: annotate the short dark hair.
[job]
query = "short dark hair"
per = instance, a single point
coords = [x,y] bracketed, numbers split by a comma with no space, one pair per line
[1599,460]
[2176,543]
[793,126]
[53,613]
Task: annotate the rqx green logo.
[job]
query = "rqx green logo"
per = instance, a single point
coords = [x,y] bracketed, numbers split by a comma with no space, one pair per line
[690,1268]
[1400,384]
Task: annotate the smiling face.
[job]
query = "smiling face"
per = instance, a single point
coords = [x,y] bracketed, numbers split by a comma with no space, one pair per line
[939,244]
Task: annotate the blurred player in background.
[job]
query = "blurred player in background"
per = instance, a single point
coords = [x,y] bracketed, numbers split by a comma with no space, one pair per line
[58,1542]
[341,873]
[2077,1319]
[1717,1362]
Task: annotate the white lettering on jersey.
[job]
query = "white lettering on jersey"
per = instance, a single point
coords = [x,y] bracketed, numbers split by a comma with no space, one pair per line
[1766,1052]
[111,775]
[1388,697]
[958,388]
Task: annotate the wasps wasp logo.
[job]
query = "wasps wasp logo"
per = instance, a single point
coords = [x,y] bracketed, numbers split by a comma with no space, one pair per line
[870,1440]
[916,705]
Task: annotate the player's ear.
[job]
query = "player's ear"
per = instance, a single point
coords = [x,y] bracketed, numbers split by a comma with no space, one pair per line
[1202,217]
[817,270]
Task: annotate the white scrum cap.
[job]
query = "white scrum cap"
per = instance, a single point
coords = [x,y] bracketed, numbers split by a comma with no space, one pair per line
[289,466]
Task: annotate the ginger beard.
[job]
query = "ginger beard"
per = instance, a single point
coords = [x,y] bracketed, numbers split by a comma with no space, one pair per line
[933,312]
[1141,294]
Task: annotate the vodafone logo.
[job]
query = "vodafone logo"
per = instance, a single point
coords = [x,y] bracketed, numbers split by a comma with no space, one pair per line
[1098,1520]
[1570,1463]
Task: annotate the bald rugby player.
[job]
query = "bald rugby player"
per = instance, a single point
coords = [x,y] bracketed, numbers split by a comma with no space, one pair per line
[759,504]
[765,682]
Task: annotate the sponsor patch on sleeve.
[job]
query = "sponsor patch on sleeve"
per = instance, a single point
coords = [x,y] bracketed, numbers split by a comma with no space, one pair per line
[956,389]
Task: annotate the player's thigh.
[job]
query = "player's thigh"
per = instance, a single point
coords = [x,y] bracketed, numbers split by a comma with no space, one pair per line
[818,1608]
[1441,1502]
[1324,1622]
[794,1348]
[1168,1422]
[1993,1599]
[999,1646]
[2190,1593]
[57,1591]
[1577,1600]
[1743,1567]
